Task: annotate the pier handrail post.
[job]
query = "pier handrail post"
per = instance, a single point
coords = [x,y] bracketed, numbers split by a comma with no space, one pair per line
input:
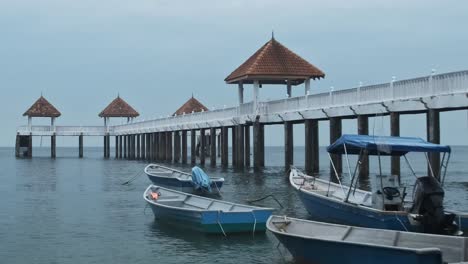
[392,87]
[331,94]
[431,85]
[359,92]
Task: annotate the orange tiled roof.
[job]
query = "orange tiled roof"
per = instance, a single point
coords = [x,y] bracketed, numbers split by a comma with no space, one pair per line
[192,105]
[119,108]
[273,63]
[42,108]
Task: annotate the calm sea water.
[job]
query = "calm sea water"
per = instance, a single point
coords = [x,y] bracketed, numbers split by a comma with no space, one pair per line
[71,210]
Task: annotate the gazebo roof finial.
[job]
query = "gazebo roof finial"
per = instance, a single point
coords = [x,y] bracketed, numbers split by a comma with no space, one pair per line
[272,34]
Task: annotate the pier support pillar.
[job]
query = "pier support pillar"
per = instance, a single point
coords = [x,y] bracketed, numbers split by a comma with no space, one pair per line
[53,141]
[213,147]
[258,145]
[132,147]
[234,146]
[433,136]
[108,145]
[17,146]
[105,146]
[247,146]
[224,146]
[177,148]
[335,133]
[116,147]
[193,146]
[202,146]
[363,129]
[30,149]
[154,146]
[159,148]
[184,146]
[240,146]
[218,147]
[143,147]
[80,146]
[288,145]
[138,142]
[120,147]
[169,146]
[149,145]
[311,146]
[395,132]
[125,146]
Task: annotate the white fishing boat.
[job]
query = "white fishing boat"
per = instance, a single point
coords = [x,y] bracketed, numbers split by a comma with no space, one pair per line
[205,214]
[325,243]
[196,182]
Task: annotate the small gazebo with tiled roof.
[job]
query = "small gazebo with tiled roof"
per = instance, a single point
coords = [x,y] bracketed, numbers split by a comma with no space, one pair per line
[42,108]
[118,108]
[273,63]
[191,106]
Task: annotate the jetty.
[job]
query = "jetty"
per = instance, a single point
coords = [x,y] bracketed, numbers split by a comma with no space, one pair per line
[165,139]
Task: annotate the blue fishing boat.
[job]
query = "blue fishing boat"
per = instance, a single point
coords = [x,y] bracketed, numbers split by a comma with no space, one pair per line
[325,243]
[197,182]
[385,207]
[205,214]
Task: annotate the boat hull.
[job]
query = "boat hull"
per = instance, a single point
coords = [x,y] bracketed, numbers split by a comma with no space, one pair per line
[214,222]
[183,186]
[306,250]
[329,210]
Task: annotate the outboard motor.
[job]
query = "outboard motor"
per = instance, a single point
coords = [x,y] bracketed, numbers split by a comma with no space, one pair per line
[428,203]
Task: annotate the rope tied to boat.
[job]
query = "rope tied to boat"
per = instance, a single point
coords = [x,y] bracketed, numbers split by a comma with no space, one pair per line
[219,223]
[401,222]
[263,198]
[140,172]
[255,223]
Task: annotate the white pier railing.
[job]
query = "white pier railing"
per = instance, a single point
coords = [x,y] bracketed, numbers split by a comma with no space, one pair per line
[64,130]
[448,90]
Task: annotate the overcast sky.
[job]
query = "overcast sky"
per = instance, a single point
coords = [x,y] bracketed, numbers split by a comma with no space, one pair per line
[155,54]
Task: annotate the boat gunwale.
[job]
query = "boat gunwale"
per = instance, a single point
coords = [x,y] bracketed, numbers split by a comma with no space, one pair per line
[214,179]
[371,209]
[275,231]
[253,208]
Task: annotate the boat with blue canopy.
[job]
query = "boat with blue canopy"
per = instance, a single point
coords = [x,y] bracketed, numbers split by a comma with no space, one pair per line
[196,182]
[387,205]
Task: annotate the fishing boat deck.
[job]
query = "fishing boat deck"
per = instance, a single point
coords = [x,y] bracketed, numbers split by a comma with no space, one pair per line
[454,249]
[334,190]
[182,200]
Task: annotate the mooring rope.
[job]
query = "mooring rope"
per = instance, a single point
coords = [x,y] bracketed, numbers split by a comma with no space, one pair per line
[399,220]
[263,198]
[255,223]
[217,188]
[140,172]
[219,223]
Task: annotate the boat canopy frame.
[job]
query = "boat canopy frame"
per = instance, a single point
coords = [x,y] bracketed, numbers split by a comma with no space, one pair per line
[365,145]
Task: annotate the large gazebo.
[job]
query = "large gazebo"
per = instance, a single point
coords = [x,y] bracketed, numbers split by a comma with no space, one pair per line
[42,108]
[273,63]
[191,106]
[117,108]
